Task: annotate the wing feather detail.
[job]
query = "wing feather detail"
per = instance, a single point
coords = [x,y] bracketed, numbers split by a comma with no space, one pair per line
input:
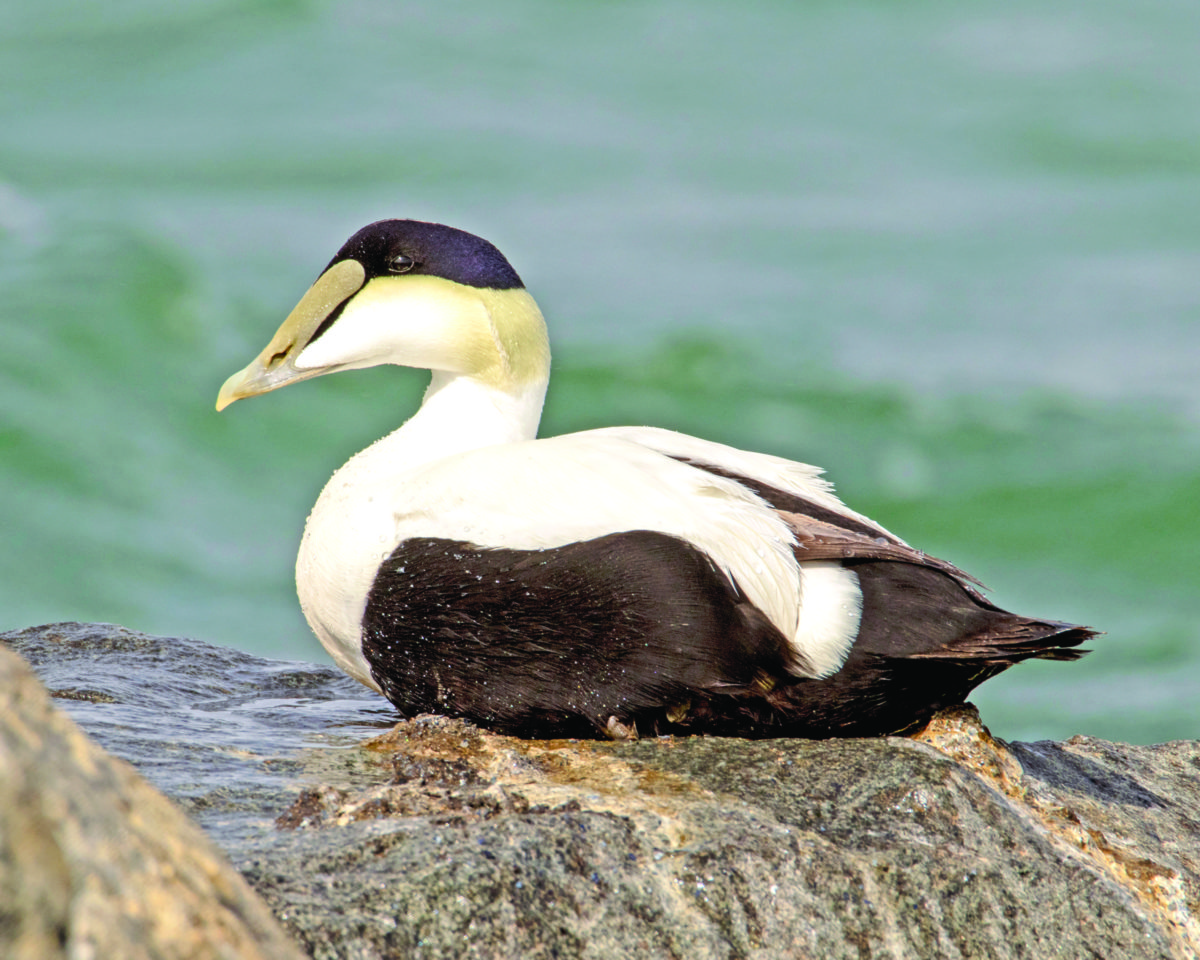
[821,540]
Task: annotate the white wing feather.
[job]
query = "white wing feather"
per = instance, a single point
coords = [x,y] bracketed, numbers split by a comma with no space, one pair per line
[548,493]
[791,476]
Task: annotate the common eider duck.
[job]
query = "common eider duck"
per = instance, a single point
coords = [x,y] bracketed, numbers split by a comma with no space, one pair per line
[605,583]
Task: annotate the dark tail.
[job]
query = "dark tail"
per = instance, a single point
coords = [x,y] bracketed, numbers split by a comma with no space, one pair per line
[1011,639]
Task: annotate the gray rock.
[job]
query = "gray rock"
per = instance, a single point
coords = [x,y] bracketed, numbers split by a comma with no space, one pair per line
[434,839]
[94,862]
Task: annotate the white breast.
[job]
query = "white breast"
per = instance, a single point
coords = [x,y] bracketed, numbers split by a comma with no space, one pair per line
[539,494]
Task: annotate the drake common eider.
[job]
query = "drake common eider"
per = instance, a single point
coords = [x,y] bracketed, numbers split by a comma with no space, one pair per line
[608,582]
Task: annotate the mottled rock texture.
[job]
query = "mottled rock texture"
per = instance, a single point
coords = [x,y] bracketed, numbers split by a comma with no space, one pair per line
[94,862]
[434,839]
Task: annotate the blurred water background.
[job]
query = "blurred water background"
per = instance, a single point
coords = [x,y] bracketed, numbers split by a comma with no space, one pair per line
[950,252]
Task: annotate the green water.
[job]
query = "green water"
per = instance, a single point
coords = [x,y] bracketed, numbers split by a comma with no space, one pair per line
[950,252]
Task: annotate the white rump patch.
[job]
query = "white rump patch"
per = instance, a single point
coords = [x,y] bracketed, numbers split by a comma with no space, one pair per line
[830,613]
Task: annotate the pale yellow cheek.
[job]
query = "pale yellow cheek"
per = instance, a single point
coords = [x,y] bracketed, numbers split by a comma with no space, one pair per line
[495,336]
[520,334]
[423,322]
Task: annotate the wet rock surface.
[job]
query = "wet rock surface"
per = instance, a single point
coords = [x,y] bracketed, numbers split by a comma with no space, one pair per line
[96,863]
[432,838]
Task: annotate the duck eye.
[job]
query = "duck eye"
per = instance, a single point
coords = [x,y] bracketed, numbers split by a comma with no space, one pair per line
[400,263]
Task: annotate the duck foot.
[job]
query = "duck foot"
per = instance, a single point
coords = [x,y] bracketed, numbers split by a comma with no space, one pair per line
[619,731]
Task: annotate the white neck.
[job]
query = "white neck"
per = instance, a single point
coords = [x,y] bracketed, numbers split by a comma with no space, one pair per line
[461,413]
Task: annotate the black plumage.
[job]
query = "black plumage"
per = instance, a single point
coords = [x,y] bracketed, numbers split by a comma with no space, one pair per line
[555,642]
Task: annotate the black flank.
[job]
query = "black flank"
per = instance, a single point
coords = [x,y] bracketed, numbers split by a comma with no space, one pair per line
[555,642]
